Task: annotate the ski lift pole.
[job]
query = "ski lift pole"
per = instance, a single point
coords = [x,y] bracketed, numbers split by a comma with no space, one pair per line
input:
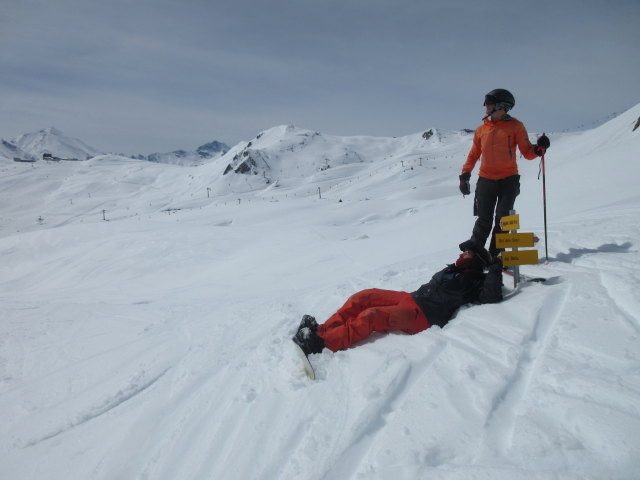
[544,204]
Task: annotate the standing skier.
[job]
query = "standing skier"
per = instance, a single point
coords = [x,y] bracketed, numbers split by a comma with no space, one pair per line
[499,183]
[434,303]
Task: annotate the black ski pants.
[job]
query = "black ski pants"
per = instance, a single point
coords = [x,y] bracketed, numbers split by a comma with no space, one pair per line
[493,196]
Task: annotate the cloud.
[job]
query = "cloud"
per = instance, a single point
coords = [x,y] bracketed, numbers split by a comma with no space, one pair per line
[377,67]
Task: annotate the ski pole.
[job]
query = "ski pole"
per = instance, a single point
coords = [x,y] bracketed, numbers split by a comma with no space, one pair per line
[544,203]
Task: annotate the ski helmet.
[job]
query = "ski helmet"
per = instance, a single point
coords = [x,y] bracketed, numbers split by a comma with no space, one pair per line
[501,98]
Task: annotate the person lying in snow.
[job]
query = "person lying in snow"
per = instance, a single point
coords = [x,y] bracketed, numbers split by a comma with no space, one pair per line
[376,310]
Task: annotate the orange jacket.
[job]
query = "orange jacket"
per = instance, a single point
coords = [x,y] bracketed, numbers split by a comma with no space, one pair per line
[496,142]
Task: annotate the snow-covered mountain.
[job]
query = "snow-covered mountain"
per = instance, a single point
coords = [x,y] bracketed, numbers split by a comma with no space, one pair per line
[10,150]
[212,149]
[147,311]
[53,141]
[288,156]
[290,151]
[203,153]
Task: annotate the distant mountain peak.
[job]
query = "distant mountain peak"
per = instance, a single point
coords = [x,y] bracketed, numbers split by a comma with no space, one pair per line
[52,141]
[207,151]
[53,131]
[210,149]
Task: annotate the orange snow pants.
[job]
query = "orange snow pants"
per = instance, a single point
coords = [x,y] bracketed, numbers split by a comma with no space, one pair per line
[372,310]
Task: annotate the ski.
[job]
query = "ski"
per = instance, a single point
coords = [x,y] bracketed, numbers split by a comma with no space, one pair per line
[510,293]
[526,278]
[306,364]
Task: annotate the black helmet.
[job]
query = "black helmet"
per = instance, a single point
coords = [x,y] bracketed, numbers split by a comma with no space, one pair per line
[501,98]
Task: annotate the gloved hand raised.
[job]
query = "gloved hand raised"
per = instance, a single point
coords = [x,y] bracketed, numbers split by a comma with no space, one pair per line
[542,145]
[465,188]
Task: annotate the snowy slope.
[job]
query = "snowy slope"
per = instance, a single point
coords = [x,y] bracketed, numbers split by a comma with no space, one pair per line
[155,345]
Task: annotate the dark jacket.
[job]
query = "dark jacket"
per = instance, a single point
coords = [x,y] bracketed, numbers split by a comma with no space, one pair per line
[451,288]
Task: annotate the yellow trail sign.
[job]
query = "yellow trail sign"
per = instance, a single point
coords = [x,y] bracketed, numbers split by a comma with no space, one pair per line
[514,240]
[520,257]
[510,222]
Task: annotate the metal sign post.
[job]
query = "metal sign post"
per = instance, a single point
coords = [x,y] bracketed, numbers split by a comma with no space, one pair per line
[516,268]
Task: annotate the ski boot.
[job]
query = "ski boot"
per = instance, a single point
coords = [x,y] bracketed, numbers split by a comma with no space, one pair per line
[308,341]
[308,322]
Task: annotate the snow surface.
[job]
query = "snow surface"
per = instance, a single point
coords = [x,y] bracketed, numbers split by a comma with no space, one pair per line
[147,309]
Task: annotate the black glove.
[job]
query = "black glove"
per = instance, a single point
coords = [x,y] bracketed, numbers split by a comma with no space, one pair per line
[542,145]
[485,257]
[465,188]
[468,245]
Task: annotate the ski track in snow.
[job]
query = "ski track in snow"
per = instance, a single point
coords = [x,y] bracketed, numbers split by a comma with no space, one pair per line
[374,417]
[502,415]
[107,404]
[621,292]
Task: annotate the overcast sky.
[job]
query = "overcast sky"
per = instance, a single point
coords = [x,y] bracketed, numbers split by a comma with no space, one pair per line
[142,76]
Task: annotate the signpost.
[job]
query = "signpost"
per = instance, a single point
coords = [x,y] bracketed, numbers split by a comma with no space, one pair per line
[515,240]
[523,257]
[510,222]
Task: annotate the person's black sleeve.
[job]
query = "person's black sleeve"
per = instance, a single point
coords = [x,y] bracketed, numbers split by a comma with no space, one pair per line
[492,287]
